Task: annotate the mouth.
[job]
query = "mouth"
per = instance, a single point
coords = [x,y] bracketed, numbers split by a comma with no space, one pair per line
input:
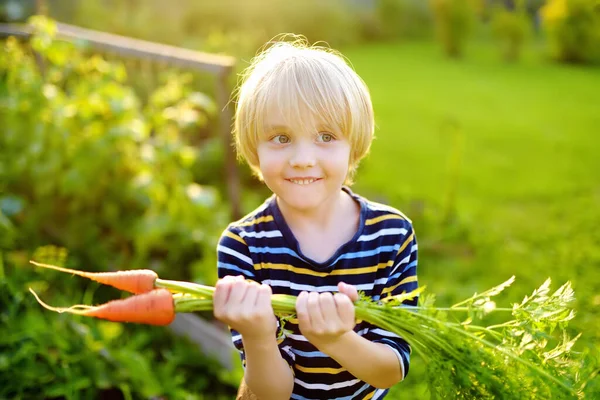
[303,181]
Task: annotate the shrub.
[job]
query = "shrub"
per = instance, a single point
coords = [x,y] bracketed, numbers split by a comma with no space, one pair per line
[234,27]
[573,28]
[510,29]
[453,20]
[85,165]
[51,356]
[391,19]
[88,165]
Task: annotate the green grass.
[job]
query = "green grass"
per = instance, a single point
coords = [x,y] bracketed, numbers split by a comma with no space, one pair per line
[527,193]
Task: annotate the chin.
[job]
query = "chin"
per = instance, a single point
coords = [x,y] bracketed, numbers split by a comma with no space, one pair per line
[300,202]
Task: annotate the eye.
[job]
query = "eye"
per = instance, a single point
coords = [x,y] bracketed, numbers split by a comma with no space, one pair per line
[280,139]
[325,137]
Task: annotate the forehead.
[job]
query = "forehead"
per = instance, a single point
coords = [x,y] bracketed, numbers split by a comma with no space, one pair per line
[298,118]
[301,109]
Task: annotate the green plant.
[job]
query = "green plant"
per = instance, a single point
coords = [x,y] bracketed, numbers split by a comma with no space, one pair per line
[235,27]
[87,165]
[394,19]
[573,28]
[453,20]
[510,29]
[71,358]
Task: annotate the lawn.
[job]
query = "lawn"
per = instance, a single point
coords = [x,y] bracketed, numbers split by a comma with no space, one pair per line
[527,189]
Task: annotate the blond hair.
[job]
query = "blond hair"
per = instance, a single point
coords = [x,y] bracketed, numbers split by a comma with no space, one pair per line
[295,76]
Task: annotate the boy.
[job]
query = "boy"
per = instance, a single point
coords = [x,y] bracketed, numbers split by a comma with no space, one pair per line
[303,122]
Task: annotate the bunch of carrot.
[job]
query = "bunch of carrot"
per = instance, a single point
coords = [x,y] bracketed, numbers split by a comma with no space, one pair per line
[482,360]
[155,300]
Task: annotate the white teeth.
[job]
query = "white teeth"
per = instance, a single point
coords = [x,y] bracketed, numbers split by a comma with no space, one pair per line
[302,181]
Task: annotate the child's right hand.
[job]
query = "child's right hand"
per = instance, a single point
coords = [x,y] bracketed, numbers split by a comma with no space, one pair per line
[245,306]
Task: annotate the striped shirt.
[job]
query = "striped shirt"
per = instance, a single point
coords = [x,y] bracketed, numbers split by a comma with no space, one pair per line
[381,259]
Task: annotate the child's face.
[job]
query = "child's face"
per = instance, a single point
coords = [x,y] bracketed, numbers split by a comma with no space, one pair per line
[303,166]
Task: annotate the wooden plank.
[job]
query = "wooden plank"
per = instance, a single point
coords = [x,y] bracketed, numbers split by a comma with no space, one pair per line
[130,47]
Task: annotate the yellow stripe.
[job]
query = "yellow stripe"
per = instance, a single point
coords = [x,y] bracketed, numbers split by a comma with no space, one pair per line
[306,271]
[320,370]
[402,282]
[370,395]
[410,238]
[234,236]
[382,218]
[266,218]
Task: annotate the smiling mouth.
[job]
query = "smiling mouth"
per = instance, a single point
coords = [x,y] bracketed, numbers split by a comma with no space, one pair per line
[304,181]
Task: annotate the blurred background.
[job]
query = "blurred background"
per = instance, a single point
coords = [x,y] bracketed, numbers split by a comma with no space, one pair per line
[114,154]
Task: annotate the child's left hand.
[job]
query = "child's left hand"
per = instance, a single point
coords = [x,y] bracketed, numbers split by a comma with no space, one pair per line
[324,317]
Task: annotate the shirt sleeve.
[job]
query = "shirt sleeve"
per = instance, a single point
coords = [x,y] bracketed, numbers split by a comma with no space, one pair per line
[233,258]
[402,278]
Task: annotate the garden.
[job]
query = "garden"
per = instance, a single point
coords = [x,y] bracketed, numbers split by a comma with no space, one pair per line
[487,118]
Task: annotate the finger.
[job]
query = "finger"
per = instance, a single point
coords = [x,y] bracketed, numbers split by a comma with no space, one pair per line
[329,309]
[348,290]
[314,310]
[263,299]
[249,300]
[238,291]
[302,311]
[222,289]
[345,309]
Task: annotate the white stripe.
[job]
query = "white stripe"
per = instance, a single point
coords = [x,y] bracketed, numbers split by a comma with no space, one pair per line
[385,333]
[288,351]
[399,359]
[234,253]
[322,386]
[299,338]
[383,232]
[381,207]
[310,288]
[378,393]
[403,261]
[362,332]
[261,234]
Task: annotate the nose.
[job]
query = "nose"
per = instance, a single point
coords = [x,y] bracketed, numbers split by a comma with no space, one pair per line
[302,156]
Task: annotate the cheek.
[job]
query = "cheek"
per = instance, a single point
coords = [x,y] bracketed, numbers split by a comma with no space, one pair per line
[268,162]
[340,160]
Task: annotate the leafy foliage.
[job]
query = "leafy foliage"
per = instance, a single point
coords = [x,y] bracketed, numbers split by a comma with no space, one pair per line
[510,29]
[453,22]
[573,28]
[50,356]
[529,357]
[87,166]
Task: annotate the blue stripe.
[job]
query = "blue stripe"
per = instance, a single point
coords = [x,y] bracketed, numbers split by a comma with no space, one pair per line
[235,268]
[368,253]
[273,250]
[310,354]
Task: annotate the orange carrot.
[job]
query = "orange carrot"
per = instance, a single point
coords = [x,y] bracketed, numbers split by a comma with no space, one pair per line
[153,308]
[134,281]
